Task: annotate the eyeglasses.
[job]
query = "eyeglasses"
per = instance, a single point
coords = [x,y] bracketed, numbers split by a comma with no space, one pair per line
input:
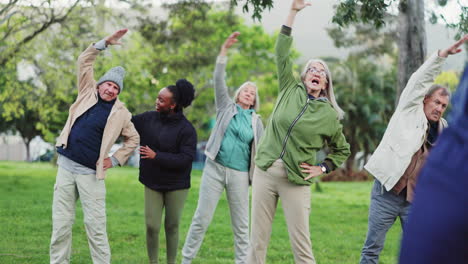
[315,70]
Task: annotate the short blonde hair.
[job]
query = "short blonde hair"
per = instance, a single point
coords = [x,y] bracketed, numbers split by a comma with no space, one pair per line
[329,94]
[256,105]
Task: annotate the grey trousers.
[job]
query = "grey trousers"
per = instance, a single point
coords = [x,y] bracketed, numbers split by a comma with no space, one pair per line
[384,209]
[92,193]
[215,179]
[173,204]
[268,186]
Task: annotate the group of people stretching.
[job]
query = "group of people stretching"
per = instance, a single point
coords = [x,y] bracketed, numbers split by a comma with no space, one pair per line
[279,162]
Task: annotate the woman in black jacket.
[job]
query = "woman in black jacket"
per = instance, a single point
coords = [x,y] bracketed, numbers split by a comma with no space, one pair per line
[168,145]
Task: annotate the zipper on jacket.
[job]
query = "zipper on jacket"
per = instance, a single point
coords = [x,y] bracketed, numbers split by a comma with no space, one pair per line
[291,127]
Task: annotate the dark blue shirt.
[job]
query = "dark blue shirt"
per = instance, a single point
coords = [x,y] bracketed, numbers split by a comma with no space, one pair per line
[84,141]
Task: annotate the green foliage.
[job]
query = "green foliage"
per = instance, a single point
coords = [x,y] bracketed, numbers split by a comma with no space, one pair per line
[22,22]
[39,104]
[365,39]
[365,85]
[365,91]
[374,12]
[155,54]
[185,45]
[367,11]
[258,6]
[450,79]
[338,221]
[461,26]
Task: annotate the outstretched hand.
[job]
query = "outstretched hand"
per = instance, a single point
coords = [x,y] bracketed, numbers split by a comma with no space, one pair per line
[453,49]
[229,42]
[114,38]
[298,5]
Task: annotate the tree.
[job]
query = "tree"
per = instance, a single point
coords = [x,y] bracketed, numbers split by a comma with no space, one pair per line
[365,83]
[258,6]
[38,105]
[155,54]
[185,45]
[365,90]
[22,21]
[18,107]
[411,30]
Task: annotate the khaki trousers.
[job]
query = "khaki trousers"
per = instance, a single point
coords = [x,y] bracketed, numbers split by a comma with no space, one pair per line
[92,193]
[268,186]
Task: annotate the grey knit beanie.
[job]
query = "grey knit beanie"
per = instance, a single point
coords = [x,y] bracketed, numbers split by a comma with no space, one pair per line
[115,75]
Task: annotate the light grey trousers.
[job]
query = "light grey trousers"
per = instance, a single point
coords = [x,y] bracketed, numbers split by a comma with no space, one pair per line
[268,186]
[70,187]
[215,179]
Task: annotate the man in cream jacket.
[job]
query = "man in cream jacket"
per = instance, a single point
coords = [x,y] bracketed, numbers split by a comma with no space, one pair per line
[96,119]
[395,164]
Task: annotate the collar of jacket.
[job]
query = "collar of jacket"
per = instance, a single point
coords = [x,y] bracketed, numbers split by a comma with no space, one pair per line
[239,109]
[117,103]
[311,97]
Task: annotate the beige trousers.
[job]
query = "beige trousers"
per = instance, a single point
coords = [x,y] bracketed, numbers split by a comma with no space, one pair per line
[92,193]
[267,187]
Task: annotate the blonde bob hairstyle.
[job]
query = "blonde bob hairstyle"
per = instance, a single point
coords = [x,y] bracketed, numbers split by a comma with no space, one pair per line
[256,105]
[328,92]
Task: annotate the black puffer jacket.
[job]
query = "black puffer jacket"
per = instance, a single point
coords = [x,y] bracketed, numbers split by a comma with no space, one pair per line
[174,140]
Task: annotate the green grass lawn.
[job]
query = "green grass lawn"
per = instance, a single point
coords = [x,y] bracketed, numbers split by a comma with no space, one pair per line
[338,221]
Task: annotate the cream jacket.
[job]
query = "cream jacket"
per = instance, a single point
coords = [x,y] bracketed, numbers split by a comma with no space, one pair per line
[118,122]
[407,129]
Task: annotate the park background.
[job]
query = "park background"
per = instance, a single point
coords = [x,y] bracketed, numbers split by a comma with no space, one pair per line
[167,40]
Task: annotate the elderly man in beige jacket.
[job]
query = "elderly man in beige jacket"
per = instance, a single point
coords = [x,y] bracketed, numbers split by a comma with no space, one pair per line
[96,119]
[395,164]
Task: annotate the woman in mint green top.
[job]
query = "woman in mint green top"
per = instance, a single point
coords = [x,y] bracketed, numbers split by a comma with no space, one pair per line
[229,165]
[237,141]
[305,119]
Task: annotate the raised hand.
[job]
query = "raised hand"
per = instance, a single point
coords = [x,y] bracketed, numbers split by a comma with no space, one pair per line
[298,5]
[453,49]
[114,38]
[228,43]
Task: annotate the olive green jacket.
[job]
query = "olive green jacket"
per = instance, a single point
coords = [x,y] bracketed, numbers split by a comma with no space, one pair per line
[299,127]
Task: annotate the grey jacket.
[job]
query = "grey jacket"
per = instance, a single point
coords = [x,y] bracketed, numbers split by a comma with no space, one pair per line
[225,111]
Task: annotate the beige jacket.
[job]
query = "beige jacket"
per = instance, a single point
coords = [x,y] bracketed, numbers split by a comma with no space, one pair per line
[406,131]
[118,122]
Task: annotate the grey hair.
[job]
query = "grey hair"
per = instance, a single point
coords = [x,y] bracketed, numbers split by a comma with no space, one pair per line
[328,93]
[256,105]
[435,87]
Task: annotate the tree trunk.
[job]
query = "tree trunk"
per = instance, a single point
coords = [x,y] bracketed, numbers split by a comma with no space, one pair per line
[349,164]
[27,141]
[411,40]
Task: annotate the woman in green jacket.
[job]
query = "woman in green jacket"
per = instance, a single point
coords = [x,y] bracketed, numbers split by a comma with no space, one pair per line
[304,120]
